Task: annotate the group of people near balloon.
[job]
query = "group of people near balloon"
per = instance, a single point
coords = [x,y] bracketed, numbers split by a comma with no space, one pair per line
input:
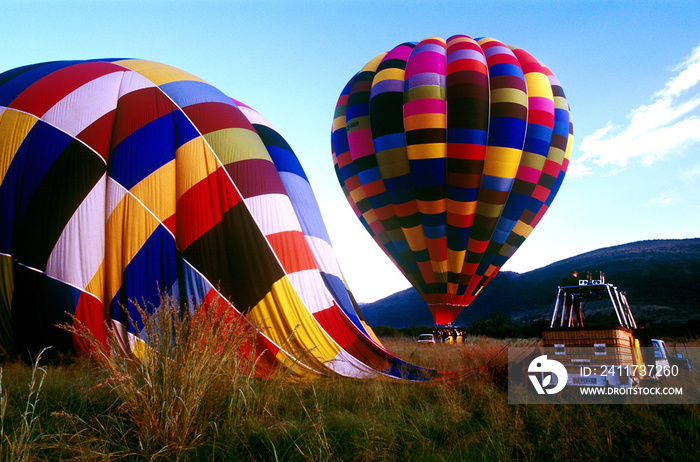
[449,334]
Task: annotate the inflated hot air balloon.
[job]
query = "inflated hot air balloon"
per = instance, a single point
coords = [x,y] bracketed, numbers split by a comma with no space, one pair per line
[123,180]
[450,152]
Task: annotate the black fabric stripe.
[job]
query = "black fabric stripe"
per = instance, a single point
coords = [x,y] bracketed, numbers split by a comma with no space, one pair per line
[235,256]
[426,135]
[386,114]
[64,187]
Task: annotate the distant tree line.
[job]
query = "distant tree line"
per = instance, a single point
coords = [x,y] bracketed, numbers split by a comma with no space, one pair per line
[500,325]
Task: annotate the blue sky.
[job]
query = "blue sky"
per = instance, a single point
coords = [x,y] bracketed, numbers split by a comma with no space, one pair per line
[630,70]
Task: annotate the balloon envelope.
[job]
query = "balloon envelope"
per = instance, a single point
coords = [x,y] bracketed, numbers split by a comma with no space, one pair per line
[450,152]
[122,180]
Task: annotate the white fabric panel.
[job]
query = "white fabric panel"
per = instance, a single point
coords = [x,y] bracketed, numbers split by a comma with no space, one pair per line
[132,81]
[86,104]
[115,193]
[312,290]
[324,256]
[348,366]
[273,213]
[80,249]
[253,116]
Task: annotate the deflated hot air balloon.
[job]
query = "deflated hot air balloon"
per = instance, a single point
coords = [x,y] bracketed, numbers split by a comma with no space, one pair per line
[122,180]
[450,152]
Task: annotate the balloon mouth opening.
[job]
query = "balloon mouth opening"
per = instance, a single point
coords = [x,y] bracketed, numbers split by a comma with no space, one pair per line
[445,313]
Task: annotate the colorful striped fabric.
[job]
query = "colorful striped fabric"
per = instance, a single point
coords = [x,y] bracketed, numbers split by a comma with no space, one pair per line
[449,152]
[122,180]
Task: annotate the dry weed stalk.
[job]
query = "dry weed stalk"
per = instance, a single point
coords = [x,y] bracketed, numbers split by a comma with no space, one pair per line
[178,361]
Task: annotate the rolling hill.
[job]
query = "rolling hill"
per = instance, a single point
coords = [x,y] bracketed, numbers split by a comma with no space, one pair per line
[661,278]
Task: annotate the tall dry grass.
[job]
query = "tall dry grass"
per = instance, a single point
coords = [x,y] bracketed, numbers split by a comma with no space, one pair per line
[84,415]
[18,440]
[170,383]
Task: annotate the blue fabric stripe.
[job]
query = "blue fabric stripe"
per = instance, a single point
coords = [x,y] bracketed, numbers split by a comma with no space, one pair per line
[369,176]
[429,173]
[152,270]
[339,140]
[508,132]
[33,159]
[185,130]
[467,136]
[505,69]
[20,82]
[188,92]
[386,142]
[143,152]
[457,238]
[495,183]
[462,194]
[286,161]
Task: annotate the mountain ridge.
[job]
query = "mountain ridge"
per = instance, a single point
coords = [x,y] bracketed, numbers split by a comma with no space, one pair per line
[661,278]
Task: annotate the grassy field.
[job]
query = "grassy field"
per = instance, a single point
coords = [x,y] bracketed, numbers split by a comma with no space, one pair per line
[80,410]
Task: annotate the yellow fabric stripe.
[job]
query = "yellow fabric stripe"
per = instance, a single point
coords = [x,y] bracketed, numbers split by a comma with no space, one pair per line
[236,144]
[96,286]
[282,317]
[556,155]
[157,73]
[489,210]
[501,162]
[439,271]
[455,260]
[432,207]
[358,123]
[128,227]
[291,365]
[374,63]
[426,120]
[339,122]
[157,191]
[509,95]
[425,91]
[427,151]
[569,147]
[195,162]
[14,127]
[415,238]
[390,73]
[461,208]
[357,194]
[531,160]
[7,289]
[522,229]
[393,162]
[538,85]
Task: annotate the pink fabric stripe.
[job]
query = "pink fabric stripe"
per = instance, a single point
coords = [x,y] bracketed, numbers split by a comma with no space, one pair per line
[529,174]
[425,106]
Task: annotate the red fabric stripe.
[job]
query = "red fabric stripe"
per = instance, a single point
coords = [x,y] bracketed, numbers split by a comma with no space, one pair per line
[138,108]
[98,134]
[90,312]
[460,221]
[255,177]
[541,118]
[292,250]
[203,206]
[437,248]
[49,90]
[332,323]
[541,193]
[210,117]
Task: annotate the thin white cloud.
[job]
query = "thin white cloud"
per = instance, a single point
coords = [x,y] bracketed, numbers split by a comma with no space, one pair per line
[669,124]
[663,199]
